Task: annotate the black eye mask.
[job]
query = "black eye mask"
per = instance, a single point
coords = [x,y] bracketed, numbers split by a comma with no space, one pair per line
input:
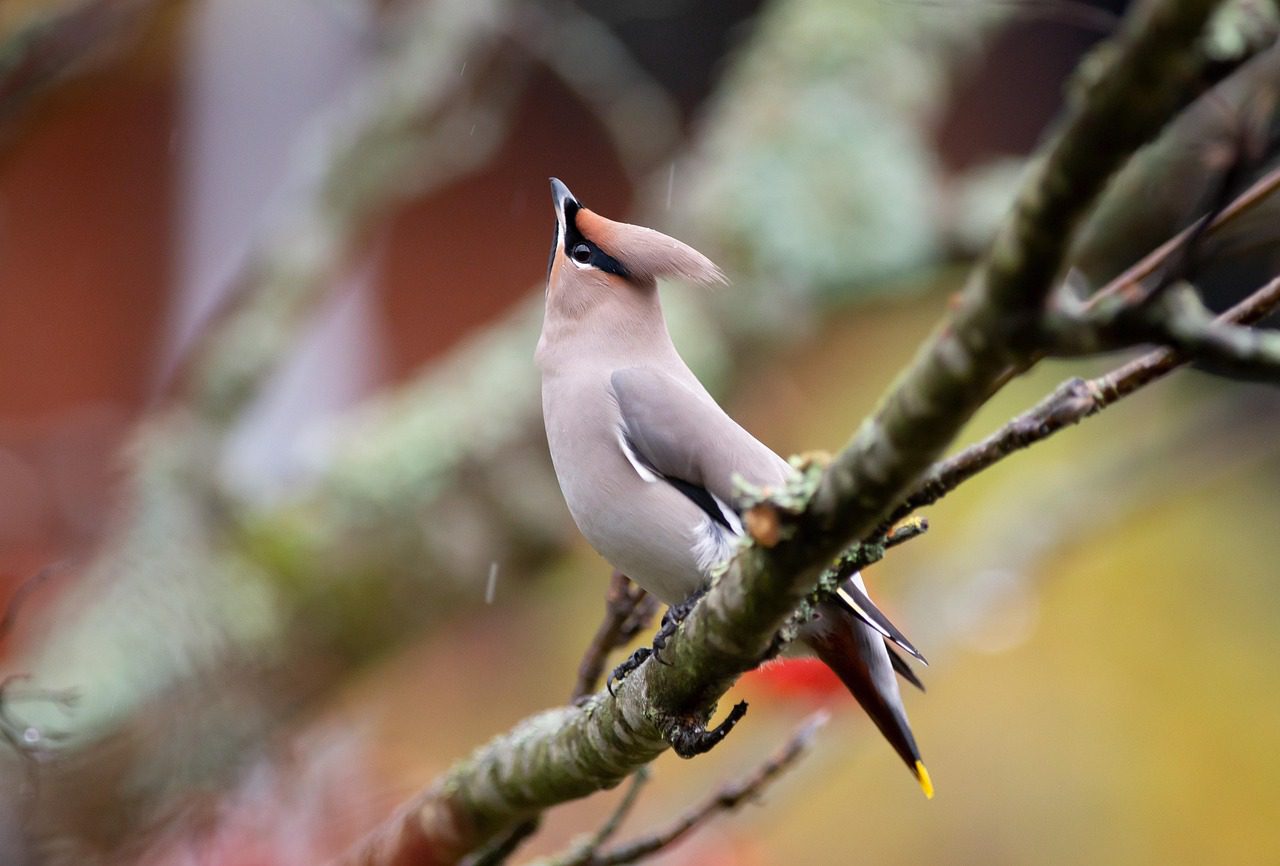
[593,255]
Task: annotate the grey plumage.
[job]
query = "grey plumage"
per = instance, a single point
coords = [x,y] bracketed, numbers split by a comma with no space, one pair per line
[645,456]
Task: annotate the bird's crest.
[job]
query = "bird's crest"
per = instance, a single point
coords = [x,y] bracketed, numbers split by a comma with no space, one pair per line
[634,252]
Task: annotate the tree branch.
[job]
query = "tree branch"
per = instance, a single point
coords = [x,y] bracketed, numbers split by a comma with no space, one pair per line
[1127,286]
[586,851]
[1121,97]
[1130,87]
[397,132]
[52,43]
[1069,404]
[1183,322]
[725,799]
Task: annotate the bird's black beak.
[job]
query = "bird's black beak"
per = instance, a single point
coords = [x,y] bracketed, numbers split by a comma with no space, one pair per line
[560,195]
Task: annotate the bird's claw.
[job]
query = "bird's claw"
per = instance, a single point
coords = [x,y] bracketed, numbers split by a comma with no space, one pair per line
[620,672]
[671,620]
[690,738]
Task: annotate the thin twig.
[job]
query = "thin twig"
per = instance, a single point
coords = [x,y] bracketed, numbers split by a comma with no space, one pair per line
[905,531]
[638,780]
[1070,403]
[56,41]
[502,850]
[726,798]
[865,553]
[628,611]
[1128,281]
[586,851]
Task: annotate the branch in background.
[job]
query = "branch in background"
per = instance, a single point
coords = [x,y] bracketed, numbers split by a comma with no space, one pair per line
[171,558]
[54,43]
[1180,320]
[501,850]
[368,531]
[588,850]
[628,611]
[727,798]
[395,134]
[641,118]
[1069,404]
[28,741]
[1167,309]
[1133,84]
[1130,282]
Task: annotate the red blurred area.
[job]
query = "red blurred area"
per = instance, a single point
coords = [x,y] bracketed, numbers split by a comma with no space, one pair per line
[797,678]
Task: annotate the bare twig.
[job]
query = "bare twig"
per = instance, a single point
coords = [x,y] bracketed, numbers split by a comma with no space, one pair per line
[1070,403]
[628,611]
[588,850]
[397,132]
[1182,322]
[1130,281]
[622,810]
[905,531]
[58,40]
[725,799]
[502,850]
[864,553]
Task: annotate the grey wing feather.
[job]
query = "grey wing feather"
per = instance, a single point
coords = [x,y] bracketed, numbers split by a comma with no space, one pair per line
[682,434]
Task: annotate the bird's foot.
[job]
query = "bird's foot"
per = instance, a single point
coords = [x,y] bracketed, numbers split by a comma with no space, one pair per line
[671,621]
[689,737]
[620,672]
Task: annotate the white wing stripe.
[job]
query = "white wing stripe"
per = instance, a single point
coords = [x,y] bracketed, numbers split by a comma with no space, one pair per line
[643,471]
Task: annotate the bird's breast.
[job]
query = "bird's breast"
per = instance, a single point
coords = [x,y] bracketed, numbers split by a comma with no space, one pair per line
[643,527]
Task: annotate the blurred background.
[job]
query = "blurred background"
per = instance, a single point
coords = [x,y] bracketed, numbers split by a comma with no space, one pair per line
[276,515]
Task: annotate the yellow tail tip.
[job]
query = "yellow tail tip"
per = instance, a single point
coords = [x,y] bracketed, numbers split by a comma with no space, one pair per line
[926,784]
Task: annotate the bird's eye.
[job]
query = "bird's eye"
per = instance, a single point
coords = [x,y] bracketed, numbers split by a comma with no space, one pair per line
[581,253]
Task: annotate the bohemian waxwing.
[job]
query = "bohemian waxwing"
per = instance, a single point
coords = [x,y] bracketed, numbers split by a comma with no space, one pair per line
[646,458]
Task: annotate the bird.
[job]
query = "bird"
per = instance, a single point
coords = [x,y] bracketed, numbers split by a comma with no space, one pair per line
[647,460]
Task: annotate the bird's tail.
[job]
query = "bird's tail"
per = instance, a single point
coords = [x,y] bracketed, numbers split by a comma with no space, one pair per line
[859,657]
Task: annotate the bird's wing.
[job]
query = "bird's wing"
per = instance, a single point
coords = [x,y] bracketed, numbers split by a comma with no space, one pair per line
[671,433]
[682,437]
